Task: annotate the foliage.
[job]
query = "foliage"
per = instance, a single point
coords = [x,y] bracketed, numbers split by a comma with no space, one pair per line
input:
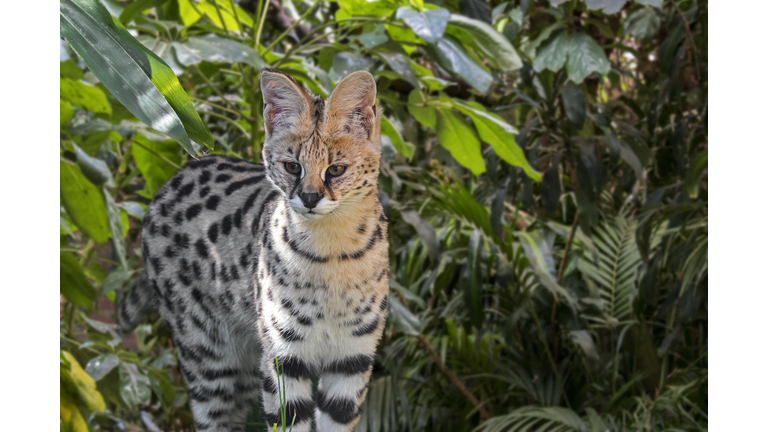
[544,173]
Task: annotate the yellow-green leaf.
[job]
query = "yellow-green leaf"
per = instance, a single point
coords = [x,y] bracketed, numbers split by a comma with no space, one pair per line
[460,139]
[86,386]
[83,202]
[84,96]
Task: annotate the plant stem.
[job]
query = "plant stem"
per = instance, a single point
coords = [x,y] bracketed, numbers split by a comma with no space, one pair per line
[293,26]
[237,125]
[688,36]
[213,87]
[217,106]
[560,273]
[257,37]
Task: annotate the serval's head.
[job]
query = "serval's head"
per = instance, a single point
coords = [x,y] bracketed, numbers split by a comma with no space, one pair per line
[323,155]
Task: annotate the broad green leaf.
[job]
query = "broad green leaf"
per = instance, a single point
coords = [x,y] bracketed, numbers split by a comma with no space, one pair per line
[607,6]
[585,56]
[692,176]
[404,35]
[553,55]
[66,112]
[492,41]
[136,8]
[499,134]
[425,114]
[428,25]
[71,418]
[452,56]
[70,69]
[157,161]
[83,203]
[404,148]
[94,169]
[73,283]
[374,38]
[643,23]
[137,77]
[99,366]
[134,386]
[116,228]
[475,9]
[162,386]
[399,64]
[214,48]
[84,96]
[654,3]
[188,14]
[209,9]
[350,8]
[575,103]
[460,139]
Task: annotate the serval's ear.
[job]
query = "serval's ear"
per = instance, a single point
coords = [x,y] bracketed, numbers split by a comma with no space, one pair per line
[286,104]
[352,107]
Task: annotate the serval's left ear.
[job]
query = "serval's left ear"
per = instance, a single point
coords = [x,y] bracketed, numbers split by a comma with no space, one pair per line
[352,107]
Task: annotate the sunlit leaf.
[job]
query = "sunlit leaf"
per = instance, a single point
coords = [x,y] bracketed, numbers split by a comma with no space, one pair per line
[428,25]
[83,202]
[460,139]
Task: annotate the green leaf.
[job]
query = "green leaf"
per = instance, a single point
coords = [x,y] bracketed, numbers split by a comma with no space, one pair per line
[188,14]
[643,23]
[214,48]
[584,57]
[70,69]
[476,9]
[99,366]
[692,176]
[116,228]
[626,153]
[84,96]
[402,318]
[552,56]
[374,38]
[157,161]
[428,25]
[654,3]
[404,148]
[575,103]
[452,56]
[131,72]
[587,344]
[399,64]
[94,169]
[83,203]
[492,41]
[134,387]
[114,281]
[66,112]
[425,231]
[424,114]
[471,280]
[460,139]
[607,6]
[499,134]
[136,8]
[163,387]
[73,284]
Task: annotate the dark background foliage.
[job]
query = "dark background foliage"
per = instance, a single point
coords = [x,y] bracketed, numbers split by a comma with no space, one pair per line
[544,171]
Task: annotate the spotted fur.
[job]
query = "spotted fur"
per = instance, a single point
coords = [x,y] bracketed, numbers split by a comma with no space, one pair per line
[247,262]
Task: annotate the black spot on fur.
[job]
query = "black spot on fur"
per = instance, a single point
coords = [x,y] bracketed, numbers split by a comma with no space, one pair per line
[342,411]
[212,202]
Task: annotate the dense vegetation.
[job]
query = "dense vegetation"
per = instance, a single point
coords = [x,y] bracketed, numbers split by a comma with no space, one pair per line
[544,172]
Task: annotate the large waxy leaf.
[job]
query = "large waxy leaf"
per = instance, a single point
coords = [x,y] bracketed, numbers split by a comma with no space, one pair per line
[460,139]
[502,52]
[428,25]
[585,56]
[83,203]
[214,48]
[499,134]
[575,103]
[73,283]
[99,366]
[643,23]
[138,78]
[404,148]
[157,161]
[400,64]
[83,385]
[84,96]
[94,169]
[452,56]
[552,56]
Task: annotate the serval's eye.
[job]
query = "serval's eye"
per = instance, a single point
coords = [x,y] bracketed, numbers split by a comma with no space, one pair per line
[292,167]
[336,170]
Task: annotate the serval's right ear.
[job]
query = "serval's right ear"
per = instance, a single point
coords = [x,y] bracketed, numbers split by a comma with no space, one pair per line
[285,102]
